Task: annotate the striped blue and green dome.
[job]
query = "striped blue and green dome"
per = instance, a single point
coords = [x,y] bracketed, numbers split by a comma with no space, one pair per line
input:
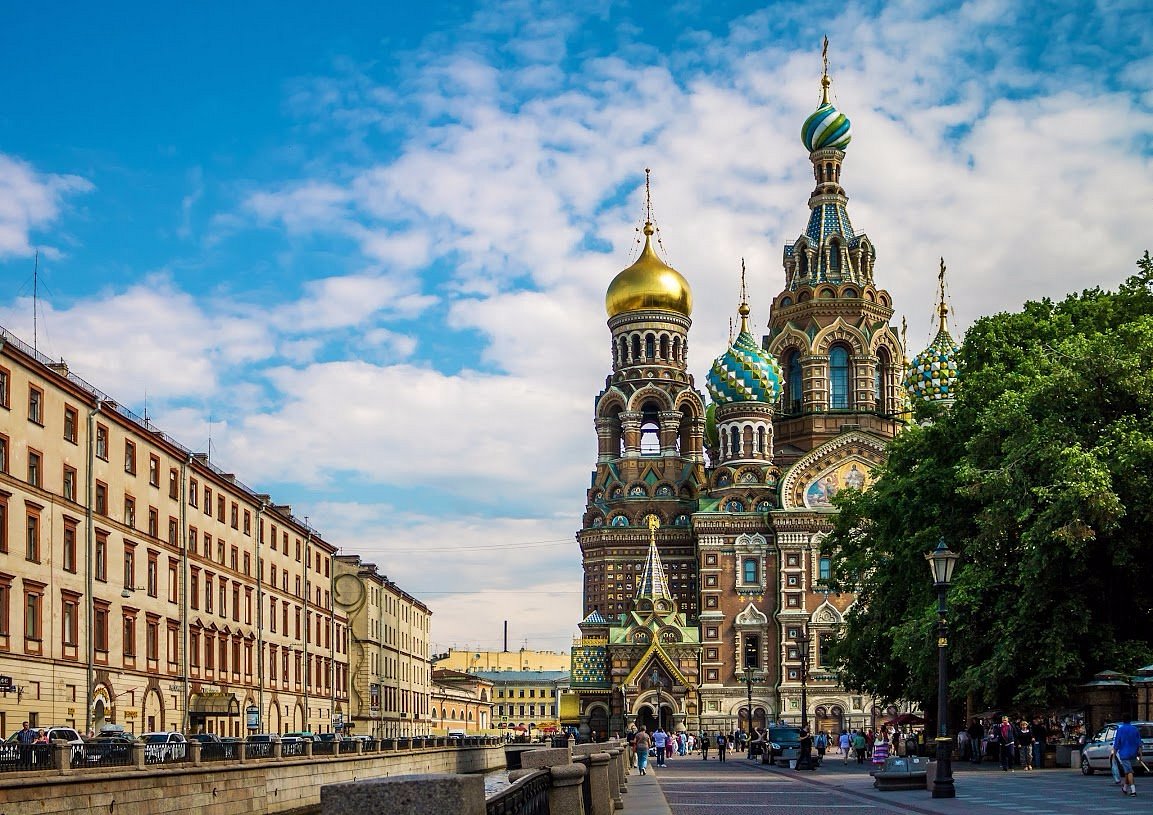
[932,375]
[744,373]
[826,127]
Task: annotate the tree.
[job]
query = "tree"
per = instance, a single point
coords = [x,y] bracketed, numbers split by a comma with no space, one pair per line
[1041,477]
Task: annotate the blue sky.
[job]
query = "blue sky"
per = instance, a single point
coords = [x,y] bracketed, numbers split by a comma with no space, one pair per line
[364,249]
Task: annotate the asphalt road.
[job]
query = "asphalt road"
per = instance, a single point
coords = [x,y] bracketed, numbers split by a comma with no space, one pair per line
[742,787]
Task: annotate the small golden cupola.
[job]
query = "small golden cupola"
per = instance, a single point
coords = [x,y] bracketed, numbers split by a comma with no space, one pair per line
[649,283]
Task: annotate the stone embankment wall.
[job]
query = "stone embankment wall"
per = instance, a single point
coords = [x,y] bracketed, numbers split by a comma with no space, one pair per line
[270,786]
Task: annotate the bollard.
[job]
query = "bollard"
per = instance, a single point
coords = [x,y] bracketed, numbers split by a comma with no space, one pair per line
[193,754]
[62,753]
[308,743]
[410,794]
[138,755]
[565,796]
[600,794]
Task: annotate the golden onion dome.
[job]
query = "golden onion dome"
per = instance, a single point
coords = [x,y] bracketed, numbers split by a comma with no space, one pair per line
[649,283]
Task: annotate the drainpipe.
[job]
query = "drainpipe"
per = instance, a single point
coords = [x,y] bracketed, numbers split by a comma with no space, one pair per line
[260,614]
[307,627]
[184,605]
[332,633]
[90,577]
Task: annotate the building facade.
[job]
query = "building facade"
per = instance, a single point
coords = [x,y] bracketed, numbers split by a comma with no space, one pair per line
[523,659]
[390,673]
[142,586]
[526,701]
[727,499]
[461,702]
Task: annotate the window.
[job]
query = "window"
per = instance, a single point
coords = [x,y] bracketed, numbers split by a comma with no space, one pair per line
[208,586]
[173,531]
[5,601]
[70,620]
[824,645]
[152,640]
[193,491]
[194,649]
[173,582]
[235,559]
[71,420]
[194,588]
[272,612]
[33,605]
[273,536]
[794,395]
[102,442]
[220,508]
[752,651]
[208,501]
[192,539]
[4,388]
[247,522]
[101,566]
[839,378]
[129,635]
[154,470]
[3,454]
[153,522]
[69,554]
[35,405]
[100,628]
[32,541]
[69,483]
[129,567]
[825,569]
[173,483]
[750,571]
[130,511]
[129,457]
[234,516]
[879,378]
[35,462]
[152,578]
[101,507]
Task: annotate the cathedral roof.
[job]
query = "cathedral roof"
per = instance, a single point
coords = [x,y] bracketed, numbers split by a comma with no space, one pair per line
[654,584]
[744,373]
[649,283]
[932,375]
[826,127]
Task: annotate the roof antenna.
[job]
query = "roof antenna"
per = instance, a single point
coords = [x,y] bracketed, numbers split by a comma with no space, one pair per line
[210,421]
[35,300]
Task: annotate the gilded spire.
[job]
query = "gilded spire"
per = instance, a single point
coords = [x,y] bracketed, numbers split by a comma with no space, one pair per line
[825,81]
[942,309]
[743,308]
[654,585]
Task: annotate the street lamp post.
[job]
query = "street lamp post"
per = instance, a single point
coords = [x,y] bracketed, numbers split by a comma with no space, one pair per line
[750,675]
[655,678]
[941,561]
[803,640]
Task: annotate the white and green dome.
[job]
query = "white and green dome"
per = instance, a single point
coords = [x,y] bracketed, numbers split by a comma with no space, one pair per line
[932,375]
[745,372]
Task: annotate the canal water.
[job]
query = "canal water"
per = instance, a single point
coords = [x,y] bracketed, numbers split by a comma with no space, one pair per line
[494,782]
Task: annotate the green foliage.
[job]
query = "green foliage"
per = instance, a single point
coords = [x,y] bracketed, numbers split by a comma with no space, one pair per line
[1041,477]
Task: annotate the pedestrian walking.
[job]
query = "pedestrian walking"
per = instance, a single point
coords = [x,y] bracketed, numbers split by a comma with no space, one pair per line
[1005,736]
[660,740]
[722,746]
[821,742]
[880,754]
[704,740]
[1127,744]
[1025,744]
[976,738]
[845,743]
[860,746]
[641,745]
[631,740]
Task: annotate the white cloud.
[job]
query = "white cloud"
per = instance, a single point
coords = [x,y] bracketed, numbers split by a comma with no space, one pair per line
[31,200]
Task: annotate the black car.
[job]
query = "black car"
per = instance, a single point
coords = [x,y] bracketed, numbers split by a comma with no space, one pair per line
[109,750]
[784,745]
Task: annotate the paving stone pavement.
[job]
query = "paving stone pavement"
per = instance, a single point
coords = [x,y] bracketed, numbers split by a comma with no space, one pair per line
[739,786]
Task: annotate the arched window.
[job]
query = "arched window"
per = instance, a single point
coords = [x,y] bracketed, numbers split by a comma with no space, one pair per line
[834,258]
[650,428]
[839,378]
[752,651]
[734,443]
[880,377]
[761,440]
[650,346]
[793,393]
[664,346]
[750,570]
[636,348]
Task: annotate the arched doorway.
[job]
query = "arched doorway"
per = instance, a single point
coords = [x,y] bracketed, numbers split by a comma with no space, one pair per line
[598,723]
[647,716]
[274,718]
[829,719]
[152,711]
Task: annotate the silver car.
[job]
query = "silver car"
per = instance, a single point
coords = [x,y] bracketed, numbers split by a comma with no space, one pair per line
[1095,754]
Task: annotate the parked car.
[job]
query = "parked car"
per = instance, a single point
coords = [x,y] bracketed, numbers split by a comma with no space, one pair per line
[291,745]
[784,745]
[259,745]
[1095,754]
[110,748]
[305,735]
[164,746]
[211,747]
[12,754]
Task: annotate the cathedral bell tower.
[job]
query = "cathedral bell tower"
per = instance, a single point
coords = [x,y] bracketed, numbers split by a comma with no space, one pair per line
[829,327]
[650,424]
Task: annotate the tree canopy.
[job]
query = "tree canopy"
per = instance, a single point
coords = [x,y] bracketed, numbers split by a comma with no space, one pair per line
[1041,477]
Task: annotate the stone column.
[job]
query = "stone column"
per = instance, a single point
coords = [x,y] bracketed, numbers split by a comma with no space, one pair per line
[138,755]
[62,754]
[600,793]
[616,780]
[308,748]
[193,749]
[564,794]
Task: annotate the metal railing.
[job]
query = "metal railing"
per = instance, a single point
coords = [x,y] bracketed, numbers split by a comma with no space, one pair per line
[528,795]
[15,758]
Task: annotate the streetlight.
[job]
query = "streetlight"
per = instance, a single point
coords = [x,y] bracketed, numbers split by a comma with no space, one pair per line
[941,561]
[803,639]
[655,678]
[750,672]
